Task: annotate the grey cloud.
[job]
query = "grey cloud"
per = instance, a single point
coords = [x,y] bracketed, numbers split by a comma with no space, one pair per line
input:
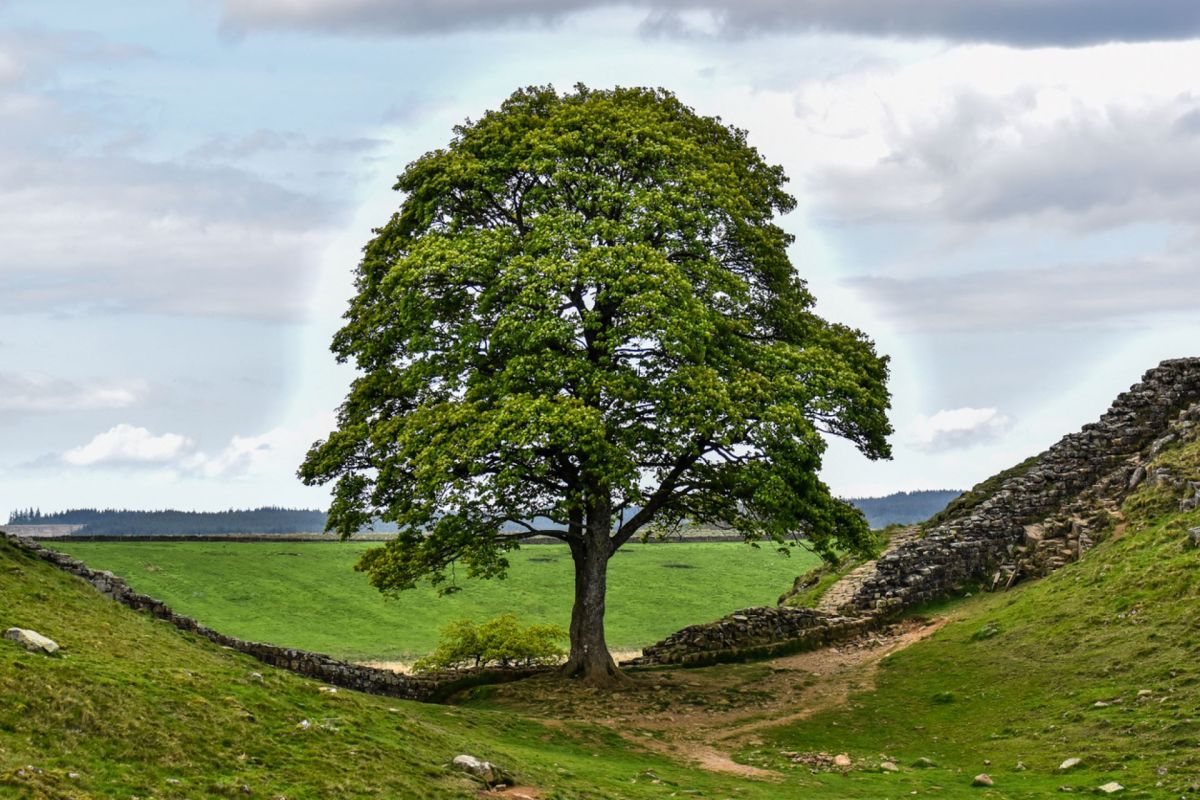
[85,233]
[31,56]
[119,234]
[1189,122]
[33,392]
[412,108]
[233,148]
[1023,23]
[237,147]
[956,428]
[1071,296]
[984,162]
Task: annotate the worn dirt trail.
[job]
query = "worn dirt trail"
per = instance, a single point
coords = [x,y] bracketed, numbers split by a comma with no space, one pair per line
[705,715]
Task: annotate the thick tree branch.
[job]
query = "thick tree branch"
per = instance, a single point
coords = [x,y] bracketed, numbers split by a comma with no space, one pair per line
[660,497]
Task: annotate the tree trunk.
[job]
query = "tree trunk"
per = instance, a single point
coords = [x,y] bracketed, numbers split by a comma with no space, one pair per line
[589,660]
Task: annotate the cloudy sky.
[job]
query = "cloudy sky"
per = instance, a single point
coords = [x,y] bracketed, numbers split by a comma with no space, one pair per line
[1005,195]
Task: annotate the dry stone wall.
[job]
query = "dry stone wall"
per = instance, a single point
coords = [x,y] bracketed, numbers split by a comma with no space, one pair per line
[751,633]
[426,687]
[1103,459]
[41,531]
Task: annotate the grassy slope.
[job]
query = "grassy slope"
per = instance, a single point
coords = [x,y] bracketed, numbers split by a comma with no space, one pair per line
[308,595]
[1017,677]
[136,708]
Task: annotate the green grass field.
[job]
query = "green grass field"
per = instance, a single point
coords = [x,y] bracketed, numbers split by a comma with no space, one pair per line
[308,595]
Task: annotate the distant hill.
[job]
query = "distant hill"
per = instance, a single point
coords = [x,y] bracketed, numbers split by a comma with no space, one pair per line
[903,508]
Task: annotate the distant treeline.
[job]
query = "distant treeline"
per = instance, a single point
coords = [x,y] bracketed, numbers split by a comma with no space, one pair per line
[121,522]
[903,508]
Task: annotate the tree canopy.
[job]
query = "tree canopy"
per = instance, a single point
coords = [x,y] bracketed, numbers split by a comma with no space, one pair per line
[582,322]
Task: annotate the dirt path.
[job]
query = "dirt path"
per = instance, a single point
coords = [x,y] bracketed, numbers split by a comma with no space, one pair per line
[843,592]
[705,715]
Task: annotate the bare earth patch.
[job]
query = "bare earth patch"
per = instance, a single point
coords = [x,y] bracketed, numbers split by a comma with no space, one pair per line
[704,715]
[405,667]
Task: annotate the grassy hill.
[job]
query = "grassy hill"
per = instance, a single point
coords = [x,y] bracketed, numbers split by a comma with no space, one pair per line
[133,707]
[1099,661]
[309,596]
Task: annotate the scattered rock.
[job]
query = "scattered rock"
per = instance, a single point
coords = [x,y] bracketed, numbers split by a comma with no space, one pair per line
[32,640]
[256,676]
[889,766]
[303,724]
[1020,767]
[1070,763]
[1112,787]
[842,760]
[1137,477]
[1100,704]
[1159,444]
[1144,693]
[983,779]
[327,690]
[924,763]
[485,771]
[1193,540]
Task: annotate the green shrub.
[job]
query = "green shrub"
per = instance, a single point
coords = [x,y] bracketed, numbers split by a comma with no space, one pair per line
[502,641]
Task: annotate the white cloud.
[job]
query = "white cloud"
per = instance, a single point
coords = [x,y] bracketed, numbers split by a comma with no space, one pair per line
[951,429]
[127,445]
[1081,140]
[277,452]
[273,454]
[44,393]
[243,455]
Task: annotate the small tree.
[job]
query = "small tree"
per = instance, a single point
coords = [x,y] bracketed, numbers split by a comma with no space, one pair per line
[582,321]
[502,640]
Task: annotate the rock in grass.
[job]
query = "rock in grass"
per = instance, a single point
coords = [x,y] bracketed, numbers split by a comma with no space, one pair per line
[32,640]
[1070,763]
[983,779]
[1112,787]
[1193,538]
[924,763]
[485,771]
[889,766]
[842,761]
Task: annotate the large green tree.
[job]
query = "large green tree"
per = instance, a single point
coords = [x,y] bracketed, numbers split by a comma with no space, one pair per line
[582,322]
